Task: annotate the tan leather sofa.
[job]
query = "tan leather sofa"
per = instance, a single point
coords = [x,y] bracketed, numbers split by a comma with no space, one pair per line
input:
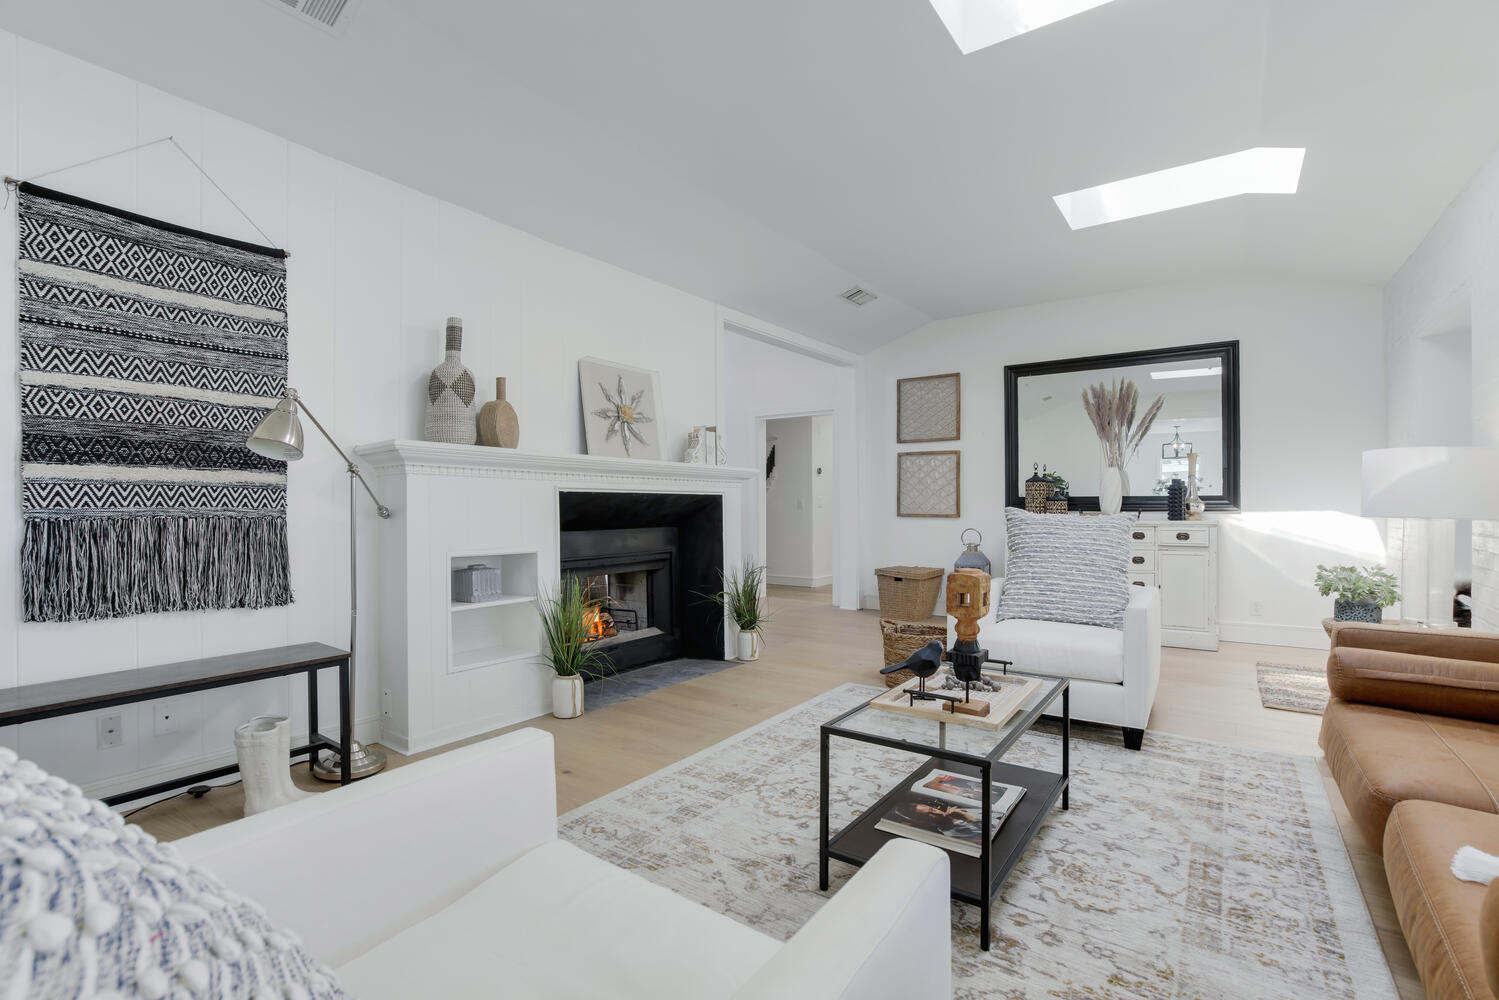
[1412,738]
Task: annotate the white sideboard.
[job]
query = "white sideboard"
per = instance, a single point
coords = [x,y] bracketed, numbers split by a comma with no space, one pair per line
[449,671]
[1180,558]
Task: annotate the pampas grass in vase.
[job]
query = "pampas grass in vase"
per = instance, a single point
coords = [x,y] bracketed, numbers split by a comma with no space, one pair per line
[1111,408]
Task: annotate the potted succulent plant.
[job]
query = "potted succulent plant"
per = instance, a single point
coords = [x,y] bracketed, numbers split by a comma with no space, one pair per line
[743,597]
[566,618]
[1359,595]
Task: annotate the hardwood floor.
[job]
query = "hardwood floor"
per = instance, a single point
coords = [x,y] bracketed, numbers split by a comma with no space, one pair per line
[812,647]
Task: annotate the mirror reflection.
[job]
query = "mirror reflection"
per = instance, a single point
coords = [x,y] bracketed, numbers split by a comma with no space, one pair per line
[1055,432]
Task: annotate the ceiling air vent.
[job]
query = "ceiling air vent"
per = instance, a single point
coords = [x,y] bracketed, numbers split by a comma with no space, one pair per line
[859,296]
[330,15]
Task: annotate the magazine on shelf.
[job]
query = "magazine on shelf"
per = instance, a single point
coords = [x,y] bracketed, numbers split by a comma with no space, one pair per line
[936,811]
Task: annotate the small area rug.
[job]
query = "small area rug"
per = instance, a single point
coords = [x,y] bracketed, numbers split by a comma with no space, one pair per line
[1190,869]
[1291,687]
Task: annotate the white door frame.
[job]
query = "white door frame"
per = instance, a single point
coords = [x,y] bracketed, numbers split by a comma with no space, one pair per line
[845,482]
[762,443]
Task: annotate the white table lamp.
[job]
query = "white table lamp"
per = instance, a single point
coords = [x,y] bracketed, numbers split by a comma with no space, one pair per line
[1430,488]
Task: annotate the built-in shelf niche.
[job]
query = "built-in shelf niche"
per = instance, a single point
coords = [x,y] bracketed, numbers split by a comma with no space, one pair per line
[500,630]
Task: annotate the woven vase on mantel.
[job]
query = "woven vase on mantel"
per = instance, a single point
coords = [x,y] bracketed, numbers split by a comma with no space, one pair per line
[450,394]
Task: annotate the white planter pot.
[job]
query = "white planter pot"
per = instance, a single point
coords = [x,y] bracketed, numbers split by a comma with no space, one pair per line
[749,645]
[1110,490]
[263,746]
[567,697]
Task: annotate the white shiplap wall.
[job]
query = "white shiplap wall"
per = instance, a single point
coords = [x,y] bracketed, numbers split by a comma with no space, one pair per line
[375,269]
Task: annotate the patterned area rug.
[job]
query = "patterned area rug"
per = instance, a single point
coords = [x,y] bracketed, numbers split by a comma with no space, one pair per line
[1191,869]
[1292,687]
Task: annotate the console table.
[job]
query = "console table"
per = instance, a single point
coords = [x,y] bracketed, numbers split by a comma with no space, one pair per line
[34,702]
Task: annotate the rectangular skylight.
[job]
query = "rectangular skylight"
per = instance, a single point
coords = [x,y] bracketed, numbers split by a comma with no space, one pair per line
[1262,170]
[977,24]
[1188,372]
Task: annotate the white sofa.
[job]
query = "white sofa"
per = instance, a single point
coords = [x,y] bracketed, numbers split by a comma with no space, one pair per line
[1114,672]
[445,878]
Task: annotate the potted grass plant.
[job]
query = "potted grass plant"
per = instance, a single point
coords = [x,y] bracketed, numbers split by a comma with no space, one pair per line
[743,597]
[1359,595]
[566,619]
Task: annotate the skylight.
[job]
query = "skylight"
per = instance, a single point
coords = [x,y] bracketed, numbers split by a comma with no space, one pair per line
[1262,170]
[1188,372]
[977,24]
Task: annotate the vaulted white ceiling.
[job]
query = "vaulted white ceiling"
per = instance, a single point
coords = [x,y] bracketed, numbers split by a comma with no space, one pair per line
[770,154]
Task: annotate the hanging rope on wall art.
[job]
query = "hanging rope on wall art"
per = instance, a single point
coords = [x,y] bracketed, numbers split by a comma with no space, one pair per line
[12,183]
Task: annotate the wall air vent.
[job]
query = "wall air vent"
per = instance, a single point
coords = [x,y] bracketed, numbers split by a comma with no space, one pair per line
[859,296]
[330,15]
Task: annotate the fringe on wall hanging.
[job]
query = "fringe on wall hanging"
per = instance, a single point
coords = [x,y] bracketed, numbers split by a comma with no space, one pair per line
[148,352]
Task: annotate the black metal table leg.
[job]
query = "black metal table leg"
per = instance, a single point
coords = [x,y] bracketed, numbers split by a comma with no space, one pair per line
[822,818]
[1066,742]
[312,712]
[345,724]
[986,858]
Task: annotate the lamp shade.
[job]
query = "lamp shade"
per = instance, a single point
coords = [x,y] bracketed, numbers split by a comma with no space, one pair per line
[1456,483]
[279,433]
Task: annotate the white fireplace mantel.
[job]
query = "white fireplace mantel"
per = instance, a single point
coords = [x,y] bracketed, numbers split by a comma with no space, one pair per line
[433,459]
[448,670]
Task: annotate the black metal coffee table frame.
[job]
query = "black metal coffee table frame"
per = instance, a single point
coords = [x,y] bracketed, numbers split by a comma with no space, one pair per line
[974,880]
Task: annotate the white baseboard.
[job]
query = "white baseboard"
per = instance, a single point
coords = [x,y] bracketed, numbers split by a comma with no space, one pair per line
[1269,634]
[365,731]
[799,581]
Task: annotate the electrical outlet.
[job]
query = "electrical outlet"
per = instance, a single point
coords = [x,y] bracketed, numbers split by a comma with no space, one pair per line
[1257,609]
[111,730]
[167,715]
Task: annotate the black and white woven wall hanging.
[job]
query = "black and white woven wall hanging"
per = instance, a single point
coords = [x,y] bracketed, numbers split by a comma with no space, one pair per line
[147,354]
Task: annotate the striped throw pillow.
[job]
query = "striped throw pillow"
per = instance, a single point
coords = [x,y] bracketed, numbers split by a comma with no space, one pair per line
[1066,569]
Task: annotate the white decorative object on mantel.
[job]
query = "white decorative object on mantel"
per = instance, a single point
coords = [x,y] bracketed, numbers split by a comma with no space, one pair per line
[452,670]
[704,447]
[1180,558]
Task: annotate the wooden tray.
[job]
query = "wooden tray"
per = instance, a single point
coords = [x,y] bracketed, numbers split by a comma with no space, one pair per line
[1003,704]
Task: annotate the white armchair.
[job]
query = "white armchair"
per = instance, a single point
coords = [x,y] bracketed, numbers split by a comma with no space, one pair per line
[445,878]
[1114,672]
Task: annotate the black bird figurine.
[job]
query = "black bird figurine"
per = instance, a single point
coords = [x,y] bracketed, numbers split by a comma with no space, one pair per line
[923,663]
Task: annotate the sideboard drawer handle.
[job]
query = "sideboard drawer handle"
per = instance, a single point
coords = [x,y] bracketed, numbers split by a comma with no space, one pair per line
[1138,583]
[1137,560]
[1183,536]
[1139,535]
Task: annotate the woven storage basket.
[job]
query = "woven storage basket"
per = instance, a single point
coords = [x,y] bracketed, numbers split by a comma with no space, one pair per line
[908,593]
[904,638]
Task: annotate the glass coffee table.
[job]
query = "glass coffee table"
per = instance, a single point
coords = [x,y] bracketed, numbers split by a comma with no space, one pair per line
[963,749]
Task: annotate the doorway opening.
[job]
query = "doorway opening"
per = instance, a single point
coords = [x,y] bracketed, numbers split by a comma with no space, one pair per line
[799,505]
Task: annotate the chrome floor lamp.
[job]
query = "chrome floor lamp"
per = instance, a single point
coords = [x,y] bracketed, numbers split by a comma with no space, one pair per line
[279,436]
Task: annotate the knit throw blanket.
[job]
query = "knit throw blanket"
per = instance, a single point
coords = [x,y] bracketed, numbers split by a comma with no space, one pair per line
[148,353]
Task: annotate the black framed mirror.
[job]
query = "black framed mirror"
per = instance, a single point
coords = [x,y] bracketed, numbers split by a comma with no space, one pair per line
[1045,424]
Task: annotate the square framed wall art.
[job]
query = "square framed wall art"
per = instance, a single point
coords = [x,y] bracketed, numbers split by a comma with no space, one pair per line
[621,409]
[928,484]
[929,408]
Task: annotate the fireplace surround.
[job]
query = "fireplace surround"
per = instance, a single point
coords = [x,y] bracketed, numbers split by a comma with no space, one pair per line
[649,558]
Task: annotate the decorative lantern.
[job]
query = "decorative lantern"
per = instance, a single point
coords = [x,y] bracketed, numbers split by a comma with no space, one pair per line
[1057,503]
[972,557]
[1037,492]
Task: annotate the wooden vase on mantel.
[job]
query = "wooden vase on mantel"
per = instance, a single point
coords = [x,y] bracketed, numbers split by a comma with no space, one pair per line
[499,427]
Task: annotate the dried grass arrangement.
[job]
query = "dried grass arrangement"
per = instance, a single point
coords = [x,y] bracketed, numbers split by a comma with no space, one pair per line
[1112,407]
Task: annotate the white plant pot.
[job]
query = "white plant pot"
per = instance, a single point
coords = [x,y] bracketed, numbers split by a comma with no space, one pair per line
[567,697]
[1110,490]
[749,645]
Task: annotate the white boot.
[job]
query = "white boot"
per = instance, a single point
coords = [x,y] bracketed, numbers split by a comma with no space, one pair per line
[264,748]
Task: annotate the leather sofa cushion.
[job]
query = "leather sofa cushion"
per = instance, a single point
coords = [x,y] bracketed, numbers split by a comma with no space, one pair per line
[1381,756]
[1442,671]
[1061,649]
[559,923]
[1438,912]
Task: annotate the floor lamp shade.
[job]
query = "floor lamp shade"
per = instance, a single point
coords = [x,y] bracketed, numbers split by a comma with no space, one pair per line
[279,433]
[1431,488]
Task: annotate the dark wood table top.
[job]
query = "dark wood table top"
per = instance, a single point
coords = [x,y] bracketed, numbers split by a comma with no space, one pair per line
[80,694]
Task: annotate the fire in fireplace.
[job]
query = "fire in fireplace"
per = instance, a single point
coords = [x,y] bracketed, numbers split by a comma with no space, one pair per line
[621,603]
